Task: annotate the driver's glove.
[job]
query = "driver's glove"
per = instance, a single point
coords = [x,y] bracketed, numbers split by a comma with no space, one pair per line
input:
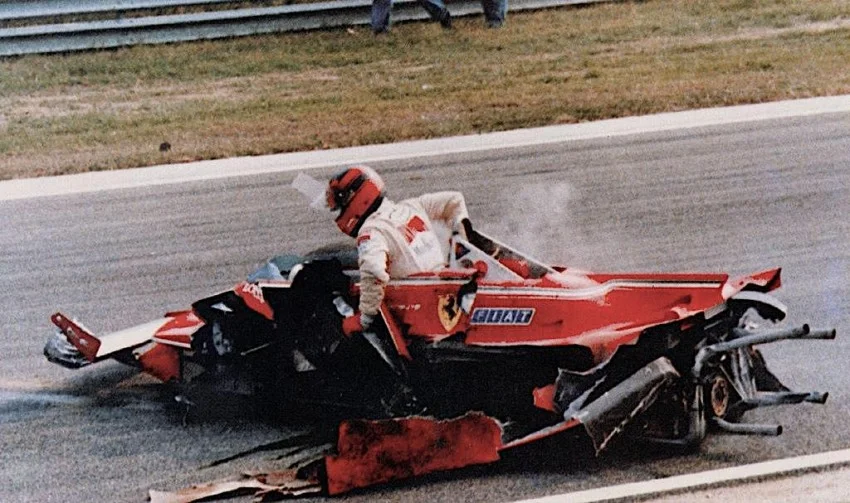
[356,323]
[466,224]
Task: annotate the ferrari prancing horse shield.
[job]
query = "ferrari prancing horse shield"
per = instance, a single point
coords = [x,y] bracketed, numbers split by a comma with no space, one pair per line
[448,310]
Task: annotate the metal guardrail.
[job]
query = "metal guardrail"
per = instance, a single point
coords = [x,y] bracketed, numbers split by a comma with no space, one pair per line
[14,10]
[51,38]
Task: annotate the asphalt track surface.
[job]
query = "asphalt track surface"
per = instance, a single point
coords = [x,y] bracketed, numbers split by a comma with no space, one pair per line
[735,198]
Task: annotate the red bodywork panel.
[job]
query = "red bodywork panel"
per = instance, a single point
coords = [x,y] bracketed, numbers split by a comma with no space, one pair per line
[542,312]
[371,452]
[178,331]
[395,331]
[252,295]
[161,361]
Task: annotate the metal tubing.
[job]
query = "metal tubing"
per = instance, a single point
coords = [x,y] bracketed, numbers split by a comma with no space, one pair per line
[744,339]
[771,430]
[817,397]
[765,399]
[824,334]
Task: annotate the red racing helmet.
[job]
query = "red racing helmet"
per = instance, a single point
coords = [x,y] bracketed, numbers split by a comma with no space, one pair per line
[355,192]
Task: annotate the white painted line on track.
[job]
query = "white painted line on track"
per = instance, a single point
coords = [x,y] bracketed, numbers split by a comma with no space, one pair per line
[725,476]
[300,161]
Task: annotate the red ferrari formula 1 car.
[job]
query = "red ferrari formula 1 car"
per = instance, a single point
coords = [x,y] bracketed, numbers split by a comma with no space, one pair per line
[533,349]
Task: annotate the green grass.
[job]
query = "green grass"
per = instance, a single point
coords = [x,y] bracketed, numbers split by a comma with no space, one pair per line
[269,94]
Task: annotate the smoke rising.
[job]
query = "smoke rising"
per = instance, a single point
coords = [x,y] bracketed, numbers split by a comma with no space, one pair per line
[549,222]
[537,219]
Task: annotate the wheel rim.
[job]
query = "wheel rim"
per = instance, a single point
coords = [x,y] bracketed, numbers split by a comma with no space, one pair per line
[719,393]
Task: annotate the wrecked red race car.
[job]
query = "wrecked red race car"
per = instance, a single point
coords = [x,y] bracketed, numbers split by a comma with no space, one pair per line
[496,351]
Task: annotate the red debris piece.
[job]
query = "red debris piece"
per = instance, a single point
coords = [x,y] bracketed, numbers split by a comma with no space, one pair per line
[372,452]
[544,398]
[162,362]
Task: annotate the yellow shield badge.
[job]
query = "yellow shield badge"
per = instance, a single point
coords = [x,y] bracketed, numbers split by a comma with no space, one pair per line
[448,310]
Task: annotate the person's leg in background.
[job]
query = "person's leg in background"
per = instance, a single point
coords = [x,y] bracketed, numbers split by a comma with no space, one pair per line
[381,15]
[495,12]
[438,12]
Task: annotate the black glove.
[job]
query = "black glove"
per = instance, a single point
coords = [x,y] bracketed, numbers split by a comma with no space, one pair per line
[467,228]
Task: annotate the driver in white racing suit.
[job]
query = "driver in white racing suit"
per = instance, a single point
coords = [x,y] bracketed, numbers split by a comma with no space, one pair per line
[394,240]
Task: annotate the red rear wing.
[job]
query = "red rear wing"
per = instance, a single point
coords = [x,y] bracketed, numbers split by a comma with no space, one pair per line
[80,338]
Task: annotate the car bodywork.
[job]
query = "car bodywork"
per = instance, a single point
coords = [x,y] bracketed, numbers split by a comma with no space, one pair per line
[533,349]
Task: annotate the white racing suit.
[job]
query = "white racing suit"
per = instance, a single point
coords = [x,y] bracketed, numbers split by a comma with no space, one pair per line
[398,240]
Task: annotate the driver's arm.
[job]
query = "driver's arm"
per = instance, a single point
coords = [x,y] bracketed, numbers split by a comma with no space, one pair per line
[448,207]
[372,257]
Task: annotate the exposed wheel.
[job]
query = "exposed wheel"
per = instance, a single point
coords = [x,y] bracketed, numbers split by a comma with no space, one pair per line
[721,397]
[718,395]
